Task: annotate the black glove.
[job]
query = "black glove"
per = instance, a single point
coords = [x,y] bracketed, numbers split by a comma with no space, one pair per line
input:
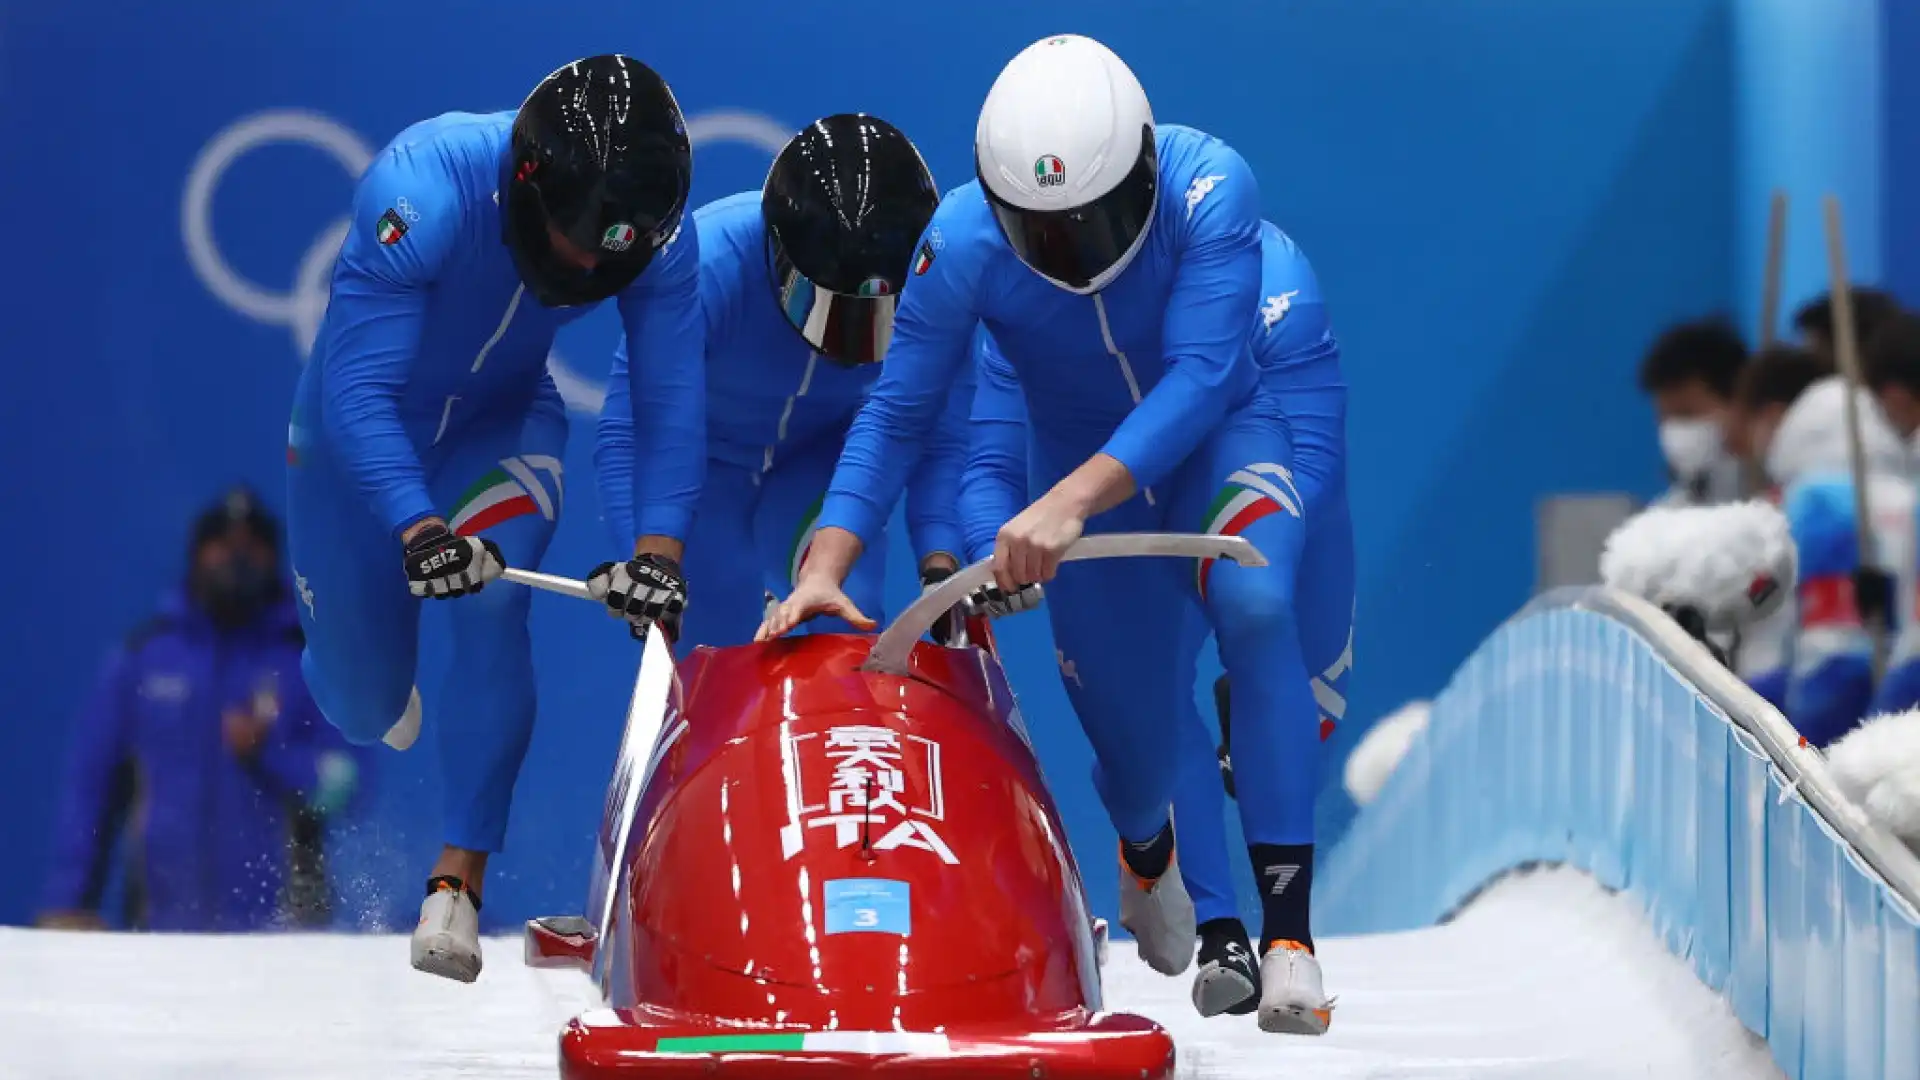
[643,590]
[989,600]
[951,628]
[442,565]
[1873,595]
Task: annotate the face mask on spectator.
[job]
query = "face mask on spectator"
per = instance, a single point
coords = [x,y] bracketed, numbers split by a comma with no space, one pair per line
[233,590]
[1692,446]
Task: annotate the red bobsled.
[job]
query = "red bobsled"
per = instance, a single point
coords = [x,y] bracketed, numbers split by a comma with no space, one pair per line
[833,855]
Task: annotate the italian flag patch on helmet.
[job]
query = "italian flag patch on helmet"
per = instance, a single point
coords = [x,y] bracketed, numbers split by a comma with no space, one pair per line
[617,237]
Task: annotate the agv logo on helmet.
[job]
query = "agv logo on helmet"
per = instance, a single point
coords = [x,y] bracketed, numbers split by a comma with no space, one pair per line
[617,237]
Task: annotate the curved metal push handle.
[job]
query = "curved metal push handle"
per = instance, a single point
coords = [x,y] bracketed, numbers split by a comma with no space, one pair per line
[890,652]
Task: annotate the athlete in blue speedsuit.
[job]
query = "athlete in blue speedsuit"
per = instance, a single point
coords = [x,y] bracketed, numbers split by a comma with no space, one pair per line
[798,282]
[424,451]
[1092,245]
[1294,346]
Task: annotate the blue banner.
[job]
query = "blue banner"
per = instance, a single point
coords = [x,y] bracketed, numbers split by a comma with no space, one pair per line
[178,177]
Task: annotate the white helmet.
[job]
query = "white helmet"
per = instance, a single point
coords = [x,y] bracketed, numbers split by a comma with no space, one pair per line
[1065,154]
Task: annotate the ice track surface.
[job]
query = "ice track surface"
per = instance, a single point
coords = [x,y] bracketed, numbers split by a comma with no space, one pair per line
[1544,976]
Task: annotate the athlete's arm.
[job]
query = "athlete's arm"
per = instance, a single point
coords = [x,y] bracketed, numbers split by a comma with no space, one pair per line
[1204,341]
[932,343]
[406,218]
[994,486]
[613,453]
[666,381]
[934,520]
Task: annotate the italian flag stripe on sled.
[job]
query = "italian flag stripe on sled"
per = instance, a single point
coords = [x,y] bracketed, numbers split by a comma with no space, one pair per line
[494,498]
[825,1042]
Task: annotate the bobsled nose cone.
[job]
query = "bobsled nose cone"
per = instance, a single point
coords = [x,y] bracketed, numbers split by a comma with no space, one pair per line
[1159,915]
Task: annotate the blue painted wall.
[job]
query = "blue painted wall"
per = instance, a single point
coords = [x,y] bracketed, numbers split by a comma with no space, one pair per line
[1504,202]
[1900,153]
[1809,123]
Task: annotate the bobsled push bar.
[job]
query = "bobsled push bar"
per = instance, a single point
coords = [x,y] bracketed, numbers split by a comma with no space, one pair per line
[889,655]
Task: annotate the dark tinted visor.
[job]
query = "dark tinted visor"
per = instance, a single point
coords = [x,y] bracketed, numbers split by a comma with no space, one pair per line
[847,329]
[1073,247]
[620,248]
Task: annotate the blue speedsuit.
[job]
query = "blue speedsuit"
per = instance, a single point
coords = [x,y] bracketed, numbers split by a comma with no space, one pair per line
[1294,344]
[1158,372]
[777,414]
[427,393]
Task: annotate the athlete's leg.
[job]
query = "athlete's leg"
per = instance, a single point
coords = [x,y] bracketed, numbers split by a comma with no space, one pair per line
[1226,980]
[1325,588]
[783,532]
[724,601]
[504,484]
[1117,627]
[1244,486]
[361,624]
[1199,799]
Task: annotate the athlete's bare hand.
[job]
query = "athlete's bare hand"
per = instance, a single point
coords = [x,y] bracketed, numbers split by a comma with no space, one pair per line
[814,596]
[1028,549]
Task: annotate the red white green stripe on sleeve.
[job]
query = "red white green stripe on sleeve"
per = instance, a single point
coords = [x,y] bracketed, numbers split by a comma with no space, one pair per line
[1250,493]
[803,541]
[511,490]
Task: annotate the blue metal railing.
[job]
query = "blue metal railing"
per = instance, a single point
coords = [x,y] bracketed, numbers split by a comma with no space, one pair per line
[1590,730]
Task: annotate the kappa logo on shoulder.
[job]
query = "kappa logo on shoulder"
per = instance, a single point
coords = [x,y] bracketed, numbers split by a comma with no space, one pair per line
[1201,187]
[1275,308]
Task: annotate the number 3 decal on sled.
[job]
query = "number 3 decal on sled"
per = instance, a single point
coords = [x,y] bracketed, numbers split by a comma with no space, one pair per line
[868,906]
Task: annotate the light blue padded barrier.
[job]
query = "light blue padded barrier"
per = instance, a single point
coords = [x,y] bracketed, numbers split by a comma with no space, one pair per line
[1590,730]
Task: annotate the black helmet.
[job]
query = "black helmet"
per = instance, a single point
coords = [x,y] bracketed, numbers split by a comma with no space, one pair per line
[599,155]
[845,203]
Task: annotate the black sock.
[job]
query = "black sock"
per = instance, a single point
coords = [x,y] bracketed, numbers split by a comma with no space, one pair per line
[1223,943]
[1285,875]
[1217,935]
[1149,858]
[452,884]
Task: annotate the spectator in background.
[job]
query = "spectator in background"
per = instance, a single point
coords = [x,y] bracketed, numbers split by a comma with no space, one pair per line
[202,754]
[1872,309]
[1795,409]
[1892,369]
[1690,374]
[1768,386]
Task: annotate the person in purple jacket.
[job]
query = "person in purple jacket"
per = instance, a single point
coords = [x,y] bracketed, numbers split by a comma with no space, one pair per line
[201,755]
